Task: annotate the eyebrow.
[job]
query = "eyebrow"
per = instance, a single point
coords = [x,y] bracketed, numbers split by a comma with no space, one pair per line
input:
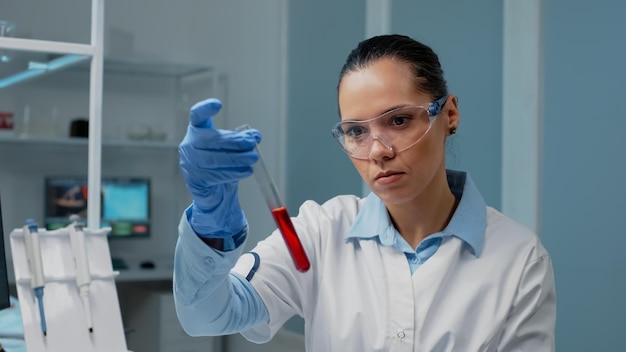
[395,107]
[382,113]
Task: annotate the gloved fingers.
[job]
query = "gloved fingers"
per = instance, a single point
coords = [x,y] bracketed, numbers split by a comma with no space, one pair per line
[202,159]
[212,139]
[236,141]
[201,113]
[195,177]
[229,174]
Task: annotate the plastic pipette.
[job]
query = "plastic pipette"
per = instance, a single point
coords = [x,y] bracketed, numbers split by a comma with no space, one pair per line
[279,212]
[83,277]
[31,241]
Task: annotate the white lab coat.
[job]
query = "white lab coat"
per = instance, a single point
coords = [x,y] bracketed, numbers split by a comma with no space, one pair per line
[361,296]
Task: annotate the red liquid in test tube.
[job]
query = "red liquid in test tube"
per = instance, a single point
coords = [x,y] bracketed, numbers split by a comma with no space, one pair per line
[279,212]
[291,239]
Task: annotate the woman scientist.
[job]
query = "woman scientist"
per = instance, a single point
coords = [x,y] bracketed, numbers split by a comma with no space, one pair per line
[421,264]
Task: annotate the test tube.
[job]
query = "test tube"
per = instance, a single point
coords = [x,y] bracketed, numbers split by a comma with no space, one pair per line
[279,212]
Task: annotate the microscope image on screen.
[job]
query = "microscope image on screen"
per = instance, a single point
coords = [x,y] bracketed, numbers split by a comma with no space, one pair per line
[65,196]
[124,204]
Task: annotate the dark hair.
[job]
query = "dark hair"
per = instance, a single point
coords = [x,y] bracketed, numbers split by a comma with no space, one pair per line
[422,59]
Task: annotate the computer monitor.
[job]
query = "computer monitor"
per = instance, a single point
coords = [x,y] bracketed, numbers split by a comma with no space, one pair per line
[4,279]
[124,204]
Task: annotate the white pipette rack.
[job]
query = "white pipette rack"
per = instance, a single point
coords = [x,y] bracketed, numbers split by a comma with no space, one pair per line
[65,318]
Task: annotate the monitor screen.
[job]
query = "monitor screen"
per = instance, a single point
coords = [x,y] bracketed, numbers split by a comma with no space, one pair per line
[124,204]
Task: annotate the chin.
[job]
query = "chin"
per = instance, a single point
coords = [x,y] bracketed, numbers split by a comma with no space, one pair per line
[394,197]
[396,201]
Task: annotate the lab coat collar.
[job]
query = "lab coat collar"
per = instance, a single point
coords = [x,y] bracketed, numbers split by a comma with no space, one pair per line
[468,222]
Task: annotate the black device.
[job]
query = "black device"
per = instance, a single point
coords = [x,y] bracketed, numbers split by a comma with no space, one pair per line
[147,264]
[124,203]
[79,127]
[4,279]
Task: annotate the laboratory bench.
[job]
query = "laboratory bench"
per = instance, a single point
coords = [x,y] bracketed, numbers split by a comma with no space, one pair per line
[131,270]
[150,319]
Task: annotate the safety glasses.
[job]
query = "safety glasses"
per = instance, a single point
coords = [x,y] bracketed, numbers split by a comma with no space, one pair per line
[397,130]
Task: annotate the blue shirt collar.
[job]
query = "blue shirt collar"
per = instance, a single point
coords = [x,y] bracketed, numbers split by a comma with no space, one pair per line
[468,222]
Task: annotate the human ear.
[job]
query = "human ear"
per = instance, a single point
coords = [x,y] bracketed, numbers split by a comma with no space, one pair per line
[451,114]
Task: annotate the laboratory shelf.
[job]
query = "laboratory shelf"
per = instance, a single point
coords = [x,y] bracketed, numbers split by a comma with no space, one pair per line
[27,66]
[30,58]
[34,58]
[71,142]
[46,46]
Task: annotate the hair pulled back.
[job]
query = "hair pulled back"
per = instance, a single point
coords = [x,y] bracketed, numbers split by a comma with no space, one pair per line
[424,63]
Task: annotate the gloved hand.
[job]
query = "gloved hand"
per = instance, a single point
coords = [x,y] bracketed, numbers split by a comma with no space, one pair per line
[213,161]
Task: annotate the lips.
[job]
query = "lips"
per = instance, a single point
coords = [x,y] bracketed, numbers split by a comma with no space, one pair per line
[387,177]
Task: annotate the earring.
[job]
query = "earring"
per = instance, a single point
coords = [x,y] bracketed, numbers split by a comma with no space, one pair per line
[452,130]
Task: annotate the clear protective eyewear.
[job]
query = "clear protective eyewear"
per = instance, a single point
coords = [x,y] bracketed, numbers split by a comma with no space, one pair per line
[397,130]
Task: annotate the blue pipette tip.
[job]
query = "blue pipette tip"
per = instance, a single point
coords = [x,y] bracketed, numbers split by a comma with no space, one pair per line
[39,294]
[32,225]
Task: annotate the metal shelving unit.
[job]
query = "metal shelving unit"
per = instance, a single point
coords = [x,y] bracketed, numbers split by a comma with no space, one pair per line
[70,54]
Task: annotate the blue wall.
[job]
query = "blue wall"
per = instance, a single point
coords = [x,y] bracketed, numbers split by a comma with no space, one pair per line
[467,36]
[582,198]
[321,34]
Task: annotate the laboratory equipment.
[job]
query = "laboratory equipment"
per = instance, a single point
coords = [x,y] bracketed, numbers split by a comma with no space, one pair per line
[279,211]
[33,252]
[66,329]
[83,276]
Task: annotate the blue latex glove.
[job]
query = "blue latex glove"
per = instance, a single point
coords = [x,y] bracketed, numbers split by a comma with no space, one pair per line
[213,161]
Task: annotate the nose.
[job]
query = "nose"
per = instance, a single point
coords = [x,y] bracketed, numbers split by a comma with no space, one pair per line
[380,150]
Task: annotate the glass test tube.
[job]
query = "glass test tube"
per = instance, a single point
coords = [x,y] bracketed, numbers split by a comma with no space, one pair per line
[279,212]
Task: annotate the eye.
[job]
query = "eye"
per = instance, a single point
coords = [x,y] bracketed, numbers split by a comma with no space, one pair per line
[400,120]
[354,131]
